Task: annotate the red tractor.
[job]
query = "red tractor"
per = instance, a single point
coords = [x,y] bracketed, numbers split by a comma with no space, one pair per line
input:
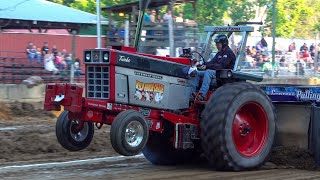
[145,100]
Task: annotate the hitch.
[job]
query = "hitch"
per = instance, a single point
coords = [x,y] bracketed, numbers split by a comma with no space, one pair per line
[184,136]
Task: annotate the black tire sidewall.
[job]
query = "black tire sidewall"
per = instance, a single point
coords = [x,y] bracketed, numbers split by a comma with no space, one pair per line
[118,130]
[145,134]
[64,134]
[249,95]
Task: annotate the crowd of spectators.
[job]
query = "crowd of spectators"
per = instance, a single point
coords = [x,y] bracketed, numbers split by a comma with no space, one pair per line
[58,62]
[258,58]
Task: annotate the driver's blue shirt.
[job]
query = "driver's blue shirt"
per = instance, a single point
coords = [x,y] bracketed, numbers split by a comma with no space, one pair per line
[224,59]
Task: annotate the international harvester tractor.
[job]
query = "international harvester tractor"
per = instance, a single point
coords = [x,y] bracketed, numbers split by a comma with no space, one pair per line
[145,100]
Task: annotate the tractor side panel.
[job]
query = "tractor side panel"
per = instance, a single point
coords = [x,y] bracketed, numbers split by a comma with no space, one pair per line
[122,89]
[155,90]
[293,123]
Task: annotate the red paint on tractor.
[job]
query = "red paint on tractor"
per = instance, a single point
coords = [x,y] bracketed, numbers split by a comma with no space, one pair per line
[250,129]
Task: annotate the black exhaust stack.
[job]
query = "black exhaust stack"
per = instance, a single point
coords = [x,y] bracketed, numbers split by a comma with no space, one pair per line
[143,5]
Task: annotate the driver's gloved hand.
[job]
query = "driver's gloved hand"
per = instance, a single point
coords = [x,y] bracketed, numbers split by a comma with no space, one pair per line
[192,71]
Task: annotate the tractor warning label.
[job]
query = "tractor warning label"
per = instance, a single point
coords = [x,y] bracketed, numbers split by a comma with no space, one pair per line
[149,92]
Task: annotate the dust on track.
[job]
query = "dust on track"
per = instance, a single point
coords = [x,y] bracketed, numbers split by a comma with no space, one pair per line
[37,142]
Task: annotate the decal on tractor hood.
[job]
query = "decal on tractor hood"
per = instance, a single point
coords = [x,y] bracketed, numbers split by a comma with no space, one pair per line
[124,59]
[149,92]
[147,75]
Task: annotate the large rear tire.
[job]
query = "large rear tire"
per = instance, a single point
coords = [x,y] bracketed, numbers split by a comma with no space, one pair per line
[129,133]
[159,149]
[238,127]
[74,135]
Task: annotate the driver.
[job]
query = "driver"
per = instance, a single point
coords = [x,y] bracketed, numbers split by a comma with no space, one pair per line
[224,59]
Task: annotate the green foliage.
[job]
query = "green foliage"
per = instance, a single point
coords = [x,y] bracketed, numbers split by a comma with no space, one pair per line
[211,12]
[295,18]
[242,10]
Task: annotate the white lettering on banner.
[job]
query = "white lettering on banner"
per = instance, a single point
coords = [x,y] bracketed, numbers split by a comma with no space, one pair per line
[308,95]
[304,96]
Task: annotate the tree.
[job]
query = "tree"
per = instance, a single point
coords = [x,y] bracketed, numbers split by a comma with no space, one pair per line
[242,10]
[63,2]
[211,12]
[293,18]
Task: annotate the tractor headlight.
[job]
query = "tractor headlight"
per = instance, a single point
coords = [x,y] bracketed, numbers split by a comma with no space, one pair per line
[87,56]
[229,74]
[105,56]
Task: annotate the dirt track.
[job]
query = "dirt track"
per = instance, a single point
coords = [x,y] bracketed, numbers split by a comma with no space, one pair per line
[28,144]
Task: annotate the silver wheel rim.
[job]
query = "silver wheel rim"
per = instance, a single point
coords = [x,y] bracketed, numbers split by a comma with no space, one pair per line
[82,134]
[134,133]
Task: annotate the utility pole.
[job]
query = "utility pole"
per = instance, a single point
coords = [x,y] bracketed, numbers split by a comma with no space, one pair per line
[274,23]
[73,52]
[98,24]
[316,49]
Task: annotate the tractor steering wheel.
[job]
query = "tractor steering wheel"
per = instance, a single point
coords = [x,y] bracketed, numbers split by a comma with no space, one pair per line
[200,60]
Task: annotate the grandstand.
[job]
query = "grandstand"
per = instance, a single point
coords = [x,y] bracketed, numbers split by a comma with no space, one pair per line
[14,69]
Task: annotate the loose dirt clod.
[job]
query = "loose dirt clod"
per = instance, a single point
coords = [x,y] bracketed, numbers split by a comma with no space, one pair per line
[4,111]
[27,109]
[293,157]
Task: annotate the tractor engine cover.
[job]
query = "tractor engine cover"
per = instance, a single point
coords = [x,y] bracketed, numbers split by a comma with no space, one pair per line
[147,89]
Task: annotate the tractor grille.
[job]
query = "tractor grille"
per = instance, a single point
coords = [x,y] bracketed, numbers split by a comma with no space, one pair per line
[98,82]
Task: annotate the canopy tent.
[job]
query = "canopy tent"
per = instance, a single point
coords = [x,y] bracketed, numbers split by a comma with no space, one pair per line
[41,14]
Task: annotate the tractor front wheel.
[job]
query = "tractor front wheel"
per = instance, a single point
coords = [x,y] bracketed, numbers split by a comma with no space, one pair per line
[238,127]
[129,133]
[74,135]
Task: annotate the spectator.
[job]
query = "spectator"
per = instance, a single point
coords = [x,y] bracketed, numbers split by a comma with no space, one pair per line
[146,17]
[264,43]
[180,18]
[253,51]
[180,25]
[292,47]
[45,49]
[159,19]
[259,47]
[39,52]
[167,16]
[121,33]
[49,64]
[259,61]
[262,46]
[68,60]
[312,50]
[299,68]
[61,63]
[267,68]
[113,33]
[64,53]
[32,53]
[248,51]
[303,48]
[77,68]
[54,50]
[153,16]
[283,62]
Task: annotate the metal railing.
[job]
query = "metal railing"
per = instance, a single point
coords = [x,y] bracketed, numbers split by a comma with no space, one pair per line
[282,69]
[15,67]
[155,35]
